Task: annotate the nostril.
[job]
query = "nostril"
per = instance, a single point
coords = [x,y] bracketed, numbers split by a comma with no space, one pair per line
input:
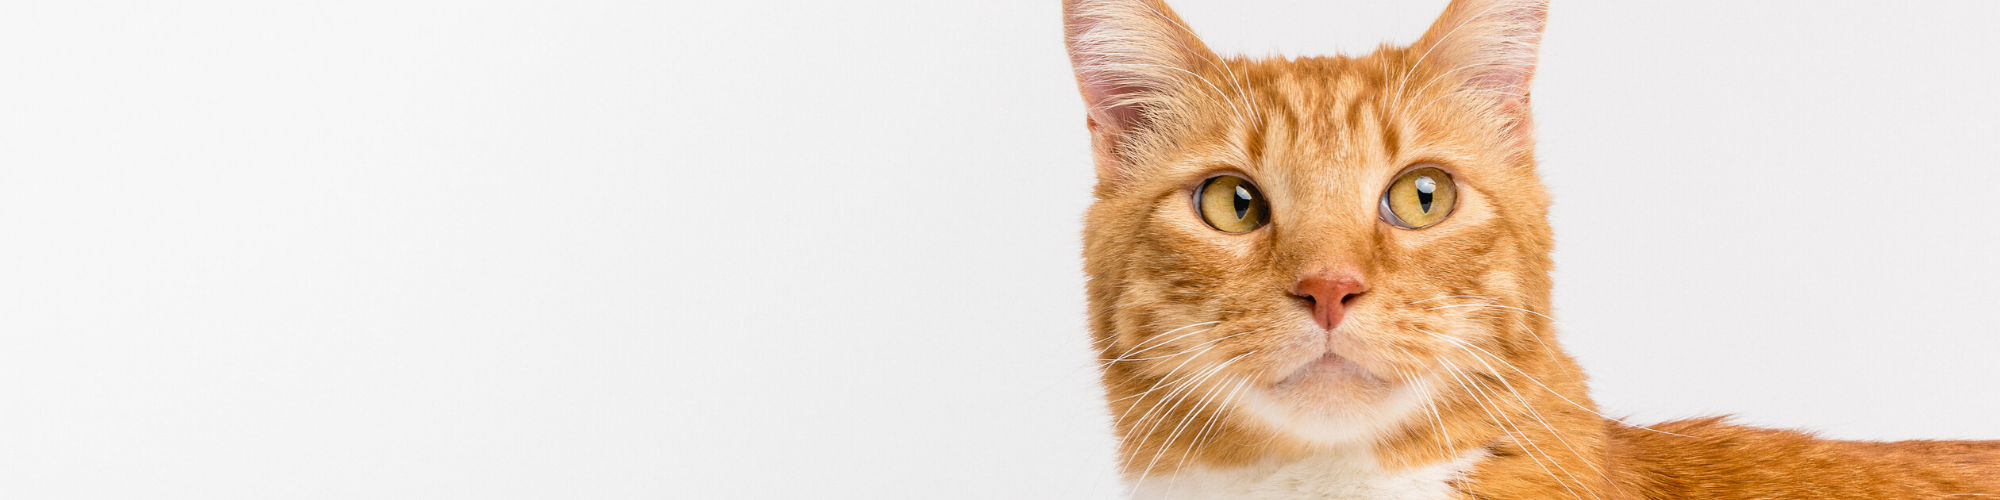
[1328,295]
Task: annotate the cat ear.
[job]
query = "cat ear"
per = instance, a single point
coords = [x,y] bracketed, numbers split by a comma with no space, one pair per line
[1131,58]
[1490,48]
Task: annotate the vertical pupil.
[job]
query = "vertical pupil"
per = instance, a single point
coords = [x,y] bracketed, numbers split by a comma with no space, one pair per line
[1242,202]
[1426,192]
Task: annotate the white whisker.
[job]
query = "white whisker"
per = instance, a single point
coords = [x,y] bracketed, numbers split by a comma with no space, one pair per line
[1452,297]
[1558,394]
[1184,351]
[1498,419]
[1194,383]
[1544,316]
[1135,349]
[1525,404]
[1156,386]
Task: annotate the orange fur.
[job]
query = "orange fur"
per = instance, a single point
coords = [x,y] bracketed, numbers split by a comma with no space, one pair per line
[1449,351]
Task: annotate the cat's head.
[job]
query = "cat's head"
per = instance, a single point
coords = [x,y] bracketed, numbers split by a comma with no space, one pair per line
[1296,253]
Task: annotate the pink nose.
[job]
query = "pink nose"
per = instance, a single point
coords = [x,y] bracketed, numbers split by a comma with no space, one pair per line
[1328,295]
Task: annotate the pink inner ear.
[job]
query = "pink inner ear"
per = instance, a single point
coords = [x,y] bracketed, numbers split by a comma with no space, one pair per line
[1497,40]
[1107,106]
[1125,52]
[1104,70]
[1096,69]
[1507,85]
[1512,78]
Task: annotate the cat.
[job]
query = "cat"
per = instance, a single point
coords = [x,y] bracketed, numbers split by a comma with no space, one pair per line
[1328,277]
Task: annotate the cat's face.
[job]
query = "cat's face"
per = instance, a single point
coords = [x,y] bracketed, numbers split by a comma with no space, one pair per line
[1319,250]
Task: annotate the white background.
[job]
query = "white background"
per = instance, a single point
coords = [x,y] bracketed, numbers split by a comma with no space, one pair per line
[428,249]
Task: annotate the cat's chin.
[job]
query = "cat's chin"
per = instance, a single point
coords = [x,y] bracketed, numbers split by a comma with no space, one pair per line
[1333,400]
[1330,372]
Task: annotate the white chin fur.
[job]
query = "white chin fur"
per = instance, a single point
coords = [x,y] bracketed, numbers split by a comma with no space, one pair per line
[1345,473]
[1335,404]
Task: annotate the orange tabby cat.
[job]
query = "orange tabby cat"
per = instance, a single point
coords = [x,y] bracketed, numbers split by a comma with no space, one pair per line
[1327,278]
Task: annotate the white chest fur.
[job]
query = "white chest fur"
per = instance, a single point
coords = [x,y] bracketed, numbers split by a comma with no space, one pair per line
[1334,476]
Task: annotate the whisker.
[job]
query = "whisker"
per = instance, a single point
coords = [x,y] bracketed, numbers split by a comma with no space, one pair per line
[1184,351]
[1175,434]
[1531,378]
[1437,418]
[1180,386]
[1209,373]
[1532,447]
[1452,297]
[1525,404]
[1201,435]
[1135,348]
[1515,431]
[1156,386]
[1544,316]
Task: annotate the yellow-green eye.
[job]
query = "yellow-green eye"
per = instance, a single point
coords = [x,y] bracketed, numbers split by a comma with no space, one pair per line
[1232,205]
[1419,198]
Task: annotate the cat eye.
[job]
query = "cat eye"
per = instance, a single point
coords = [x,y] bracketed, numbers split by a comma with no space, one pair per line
[1232,204]
[1419,198]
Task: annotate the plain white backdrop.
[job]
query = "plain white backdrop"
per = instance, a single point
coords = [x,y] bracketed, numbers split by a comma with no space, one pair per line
[799,249]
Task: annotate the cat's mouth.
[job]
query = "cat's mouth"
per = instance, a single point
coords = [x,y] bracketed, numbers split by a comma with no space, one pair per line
[1327,387]
[1328,367]
[1331,398]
